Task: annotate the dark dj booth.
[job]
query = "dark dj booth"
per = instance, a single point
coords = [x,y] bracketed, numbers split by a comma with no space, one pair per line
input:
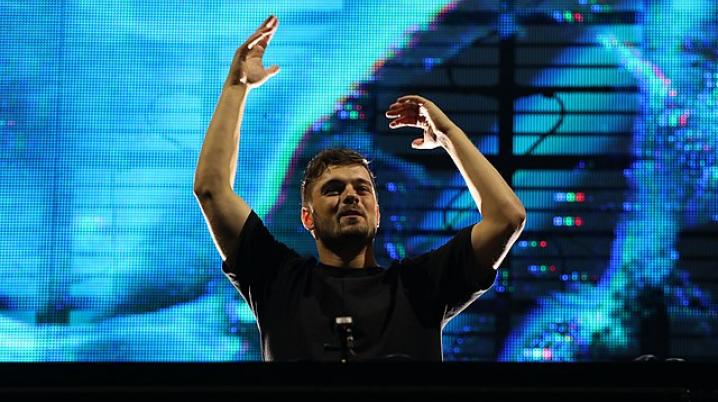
[386,381]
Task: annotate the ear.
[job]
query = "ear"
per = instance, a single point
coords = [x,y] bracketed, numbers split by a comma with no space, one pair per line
[378,216]
[307,219]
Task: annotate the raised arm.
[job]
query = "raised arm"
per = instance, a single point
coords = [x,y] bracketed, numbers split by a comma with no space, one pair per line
[503,214]
[224,211]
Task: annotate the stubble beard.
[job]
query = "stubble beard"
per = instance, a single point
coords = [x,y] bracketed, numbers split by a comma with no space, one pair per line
[343,237]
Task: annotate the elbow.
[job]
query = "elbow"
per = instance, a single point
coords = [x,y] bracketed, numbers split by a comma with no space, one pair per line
[203,188]
[207,181]
[515,217]
[201,193]
[198,190]
[199,187]
[510,219]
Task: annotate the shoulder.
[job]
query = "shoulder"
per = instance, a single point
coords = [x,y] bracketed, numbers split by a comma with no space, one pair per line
[256,249]
[460,242]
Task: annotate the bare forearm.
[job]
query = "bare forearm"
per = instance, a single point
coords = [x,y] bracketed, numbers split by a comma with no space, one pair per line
[493,196]
[217,163]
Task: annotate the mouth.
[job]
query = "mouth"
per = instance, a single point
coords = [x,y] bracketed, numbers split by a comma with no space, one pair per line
[350,213]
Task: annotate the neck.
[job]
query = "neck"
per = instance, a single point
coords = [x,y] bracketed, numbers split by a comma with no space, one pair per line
[361,257]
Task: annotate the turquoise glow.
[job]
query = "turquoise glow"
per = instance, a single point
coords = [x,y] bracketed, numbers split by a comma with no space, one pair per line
[104,106]
[672,194]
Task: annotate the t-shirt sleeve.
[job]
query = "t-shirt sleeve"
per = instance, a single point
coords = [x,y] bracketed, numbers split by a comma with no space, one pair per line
[444,281]
[256,261]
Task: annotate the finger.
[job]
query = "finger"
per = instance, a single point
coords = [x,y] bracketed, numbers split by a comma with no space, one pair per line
[412,98]
[263,36]
[420,143]
[266,22]
[272,71]
[402,122]
[267,25]
[393,112]
[271,22]
[398,108]
[408,111]
[274,26]
[397,105]
[394,124]
[252,40]
[408,107]
[267,28]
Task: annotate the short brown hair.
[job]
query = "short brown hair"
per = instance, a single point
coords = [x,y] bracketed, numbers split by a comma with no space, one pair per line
[331,157]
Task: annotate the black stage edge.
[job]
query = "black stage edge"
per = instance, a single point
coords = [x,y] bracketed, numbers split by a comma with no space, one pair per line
[390,381]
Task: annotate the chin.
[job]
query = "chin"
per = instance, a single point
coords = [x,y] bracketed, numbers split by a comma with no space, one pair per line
[354,231]
[357,229]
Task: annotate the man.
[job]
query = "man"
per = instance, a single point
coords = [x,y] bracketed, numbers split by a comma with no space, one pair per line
[344,306]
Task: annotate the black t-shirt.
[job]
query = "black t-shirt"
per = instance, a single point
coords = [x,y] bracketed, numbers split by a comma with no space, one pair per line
[397,311]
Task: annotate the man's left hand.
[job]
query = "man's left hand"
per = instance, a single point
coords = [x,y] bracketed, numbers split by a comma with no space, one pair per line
[415,111]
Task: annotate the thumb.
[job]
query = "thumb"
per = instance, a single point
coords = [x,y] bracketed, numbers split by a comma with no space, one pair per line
[272,71]
[418,143]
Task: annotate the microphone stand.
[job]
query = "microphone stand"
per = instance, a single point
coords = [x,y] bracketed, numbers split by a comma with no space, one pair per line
[343,326]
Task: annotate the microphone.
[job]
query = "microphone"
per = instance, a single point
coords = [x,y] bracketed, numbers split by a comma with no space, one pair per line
[343,326]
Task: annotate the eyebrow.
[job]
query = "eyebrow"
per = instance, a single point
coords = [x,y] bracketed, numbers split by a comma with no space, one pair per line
[339,181]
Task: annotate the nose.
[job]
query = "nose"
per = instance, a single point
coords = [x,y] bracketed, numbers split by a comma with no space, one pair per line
[351,197]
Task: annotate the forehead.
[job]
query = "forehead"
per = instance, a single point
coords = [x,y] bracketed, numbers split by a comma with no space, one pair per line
[344,173]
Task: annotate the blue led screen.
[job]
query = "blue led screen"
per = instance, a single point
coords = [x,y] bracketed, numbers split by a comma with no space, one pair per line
[610,144]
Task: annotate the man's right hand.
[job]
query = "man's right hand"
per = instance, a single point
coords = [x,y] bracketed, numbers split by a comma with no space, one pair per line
[247,68]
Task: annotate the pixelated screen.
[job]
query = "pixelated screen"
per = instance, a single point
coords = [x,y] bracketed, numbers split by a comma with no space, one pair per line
[601,114]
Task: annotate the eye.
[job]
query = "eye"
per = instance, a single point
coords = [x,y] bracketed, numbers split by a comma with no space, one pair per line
[332,190]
